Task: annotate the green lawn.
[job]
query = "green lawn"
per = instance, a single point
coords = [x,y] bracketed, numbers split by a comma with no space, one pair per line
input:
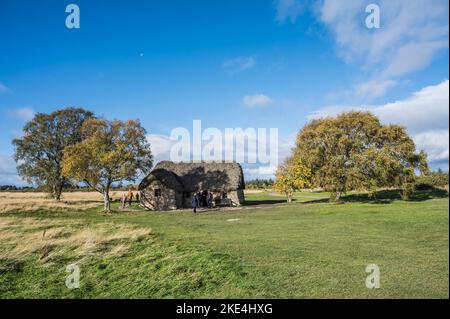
[306,249]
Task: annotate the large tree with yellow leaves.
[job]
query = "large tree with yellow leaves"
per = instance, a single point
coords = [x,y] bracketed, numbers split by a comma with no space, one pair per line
[354,150]
[111,151]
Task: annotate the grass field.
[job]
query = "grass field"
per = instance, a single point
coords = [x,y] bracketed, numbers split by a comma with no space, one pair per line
[266,249]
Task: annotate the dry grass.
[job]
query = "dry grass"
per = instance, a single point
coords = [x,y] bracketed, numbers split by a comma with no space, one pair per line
[253,191]
[33,201]
[30,201]
[46,240]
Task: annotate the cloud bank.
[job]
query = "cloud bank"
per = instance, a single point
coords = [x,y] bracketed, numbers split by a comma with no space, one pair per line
[412,33]
[424,114]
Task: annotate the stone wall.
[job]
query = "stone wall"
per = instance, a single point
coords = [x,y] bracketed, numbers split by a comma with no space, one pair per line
[237,197]
[169,199]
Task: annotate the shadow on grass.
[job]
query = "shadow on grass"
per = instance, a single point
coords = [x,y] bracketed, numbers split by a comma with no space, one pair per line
[265,202]
[388,196]
[381,197]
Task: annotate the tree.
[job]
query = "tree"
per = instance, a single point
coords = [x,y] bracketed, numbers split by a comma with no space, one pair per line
[259,183]
[354,150]
[39,152]
[111,152]
[291,176]
[429,180]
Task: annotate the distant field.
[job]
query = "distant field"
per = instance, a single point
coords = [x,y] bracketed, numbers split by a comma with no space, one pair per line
[31,201]
[266,249]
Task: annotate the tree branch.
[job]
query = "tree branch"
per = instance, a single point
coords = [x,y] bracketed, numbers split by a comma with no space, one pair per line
[93,187]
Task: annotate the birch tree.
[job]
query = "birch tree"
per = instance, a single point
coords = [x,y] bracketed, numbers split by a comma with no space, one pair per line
[112,152]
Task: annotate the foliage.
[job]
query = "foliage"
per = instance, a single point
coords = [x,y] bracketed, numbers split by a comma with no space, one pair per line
[432,180]
[259,183]
[111,152]
[39,152]
[355,151]
[9,188]
[291,176]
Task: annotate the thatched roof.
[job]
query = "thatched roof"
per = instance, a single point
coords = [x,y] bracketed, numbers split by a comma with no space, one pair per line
[166,177]
[196,176]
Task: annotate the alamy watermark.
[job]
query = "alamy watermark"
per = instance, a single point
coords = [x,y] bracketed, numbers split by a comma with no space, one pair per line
[373,19]
[73,277]
[249,145]
[73,19]
[373,279]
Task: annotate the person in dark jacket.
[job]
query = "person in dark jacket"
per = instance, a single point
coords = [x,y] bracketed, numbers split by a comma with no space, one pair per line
[195,202]
[138,198]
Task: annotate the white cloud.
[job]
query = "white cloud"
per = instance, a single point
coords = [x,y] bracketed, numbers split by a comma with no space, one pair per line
[285,145]
[427,109]
[374,88]
[333,110]
[4,88]
[25,113]
[260,172]
[435,143]
[403,61]
[160,146]
[8,173]
[412,33]
[257,100]
[425,115]
[287,10]
[239,64]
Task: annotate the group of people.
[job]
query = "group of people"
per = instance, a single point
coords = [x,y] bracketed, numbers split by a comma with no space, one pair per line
[202,199]
[127,199]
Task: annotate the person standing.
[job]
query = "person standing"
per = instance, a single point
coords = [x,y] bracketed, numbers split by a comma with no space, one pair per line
[137,198]
[130,197]
[123,200]
[209,199]
[205,198]
[195,202]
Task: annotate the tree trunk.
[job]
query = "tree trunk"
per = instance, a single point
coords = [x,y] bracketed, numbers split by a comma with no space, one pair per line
[58,191]
[335,196]
[289,197]
[338,196]
[106,201]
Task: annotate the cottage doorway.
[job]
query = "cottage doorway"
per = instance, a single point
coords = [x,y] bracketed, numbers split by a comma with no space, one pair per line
[187,199]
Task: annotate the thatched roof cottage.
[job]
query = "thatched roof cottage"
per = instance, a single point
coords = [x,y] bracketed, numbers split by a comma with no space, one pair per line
[172,185]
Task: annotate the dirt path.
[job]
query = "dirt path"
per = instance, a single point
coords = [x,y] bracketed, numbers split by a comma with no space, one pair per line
[296,196]
[240,208]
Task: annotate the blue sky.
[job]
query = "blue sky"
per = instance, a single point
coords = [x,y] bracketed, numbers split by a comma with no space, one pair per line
[229,63]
